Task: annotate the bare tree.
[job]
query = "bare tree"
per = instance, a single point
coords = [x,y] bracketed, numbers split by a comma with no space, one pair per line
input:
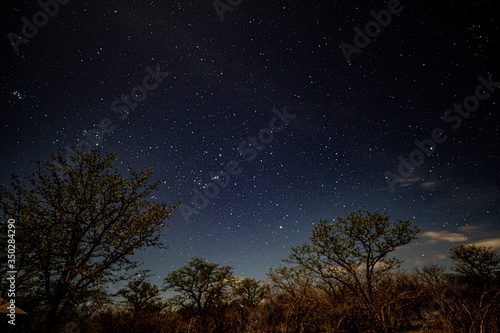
[433,274]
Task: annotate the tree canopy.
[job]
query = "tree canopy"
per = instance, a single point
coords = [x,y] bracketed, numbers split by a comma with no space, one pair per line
[354,250]
[475,262]
[250,292]
[78,224]
[200,284]
[202,288]
[141,295]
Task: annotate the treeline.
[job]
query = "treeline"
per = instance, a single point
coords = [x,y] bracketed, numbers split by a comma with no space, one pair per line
[78,223]
[294,299]
[343,280]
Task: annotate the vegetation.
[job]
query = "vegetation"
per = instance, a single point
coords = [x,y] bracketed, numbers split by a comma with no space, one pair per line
[476,263]
[78,223]
[202,290]
[353,253]
[296,299]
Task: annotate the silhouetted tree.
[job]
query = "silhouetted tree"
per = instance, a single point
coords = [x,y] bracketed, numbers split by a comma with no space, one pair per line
[301,308]
[433,274]
[203,289]
[141,296]
[476,263]
[354,252]
[78,223]
[250,292]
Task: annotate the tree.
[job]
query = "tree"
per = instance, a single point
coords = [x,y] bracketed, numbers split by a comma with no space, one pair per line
[141,296]
[78,222]
[144,303]
[250,292]
[432,274]
[474,262]
[354,251]
[203,289]
[292,280]
[248,295]
[301,297]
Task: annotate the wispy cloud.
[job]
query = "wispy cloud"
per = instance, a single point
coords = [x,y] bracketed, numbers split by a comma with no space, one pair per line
[424,185]
[439,256]
[443,235]
[428,185]
[491,242]
[469,228]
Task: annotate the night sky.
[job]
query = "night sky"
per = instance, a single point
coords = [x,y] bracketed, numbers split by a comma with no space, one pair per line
[327,131]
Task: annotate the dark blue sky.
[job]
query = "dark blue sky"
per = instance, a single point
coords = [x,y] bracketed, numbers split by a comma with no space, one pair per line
[352,119]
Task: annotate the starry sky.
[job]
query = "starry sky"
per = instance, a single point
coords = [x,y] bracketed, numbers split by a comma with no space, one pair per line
[310,120]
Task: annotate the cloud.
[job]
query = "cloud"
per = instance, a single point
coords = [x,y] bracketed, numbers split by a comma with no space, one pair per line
[493,242]
[415,261]
[424,185]
[439,256]
[443,235]
[405,182]
[469,228]
[428,185]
